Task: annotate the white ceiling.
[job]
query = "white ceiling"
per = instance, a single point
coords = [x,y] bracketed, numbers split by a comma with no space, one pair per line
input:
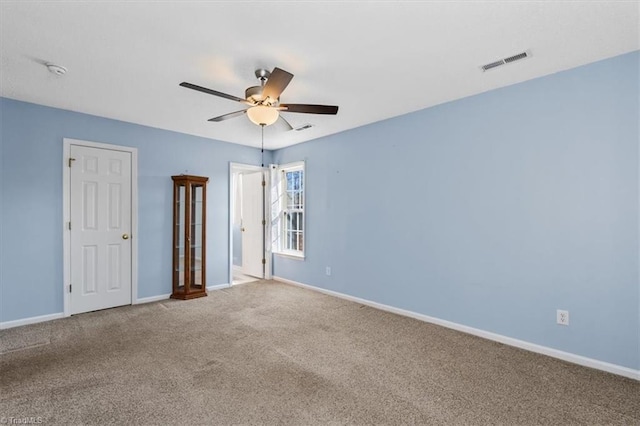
[375,60]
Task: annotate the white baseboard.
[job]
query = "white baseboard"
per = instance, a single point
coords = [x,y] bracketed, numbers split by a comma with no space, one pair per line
[218,287]
[532,347]
[50,317]
[151,299]
[166,296]
[31,320]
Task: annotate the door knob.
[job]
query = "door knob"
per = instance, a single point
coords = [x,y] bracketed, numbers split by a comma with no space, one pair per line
[125,236]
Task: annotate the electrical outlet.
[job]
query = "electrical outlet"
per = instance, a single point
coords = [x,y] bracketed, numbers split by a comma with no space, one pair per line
[562,317]
[328,271]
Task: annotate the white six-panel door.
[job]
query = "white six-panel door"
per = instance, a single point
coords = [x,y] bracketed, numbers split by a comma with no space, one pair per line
[100,235]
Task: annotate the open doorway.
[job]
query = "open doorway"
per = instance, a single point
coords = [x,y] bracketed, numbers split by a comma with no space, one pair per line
[248,252]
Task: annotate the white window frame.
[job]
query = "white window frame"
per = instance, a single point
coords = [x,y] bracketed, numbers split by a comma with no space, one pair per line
[279,209]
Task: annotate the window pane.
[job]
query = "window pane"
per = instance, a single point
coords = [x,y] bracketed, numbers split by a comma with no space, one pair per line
[293,219]
[289,177]
[290,199]
[299,240]
[291,241]
[294,180]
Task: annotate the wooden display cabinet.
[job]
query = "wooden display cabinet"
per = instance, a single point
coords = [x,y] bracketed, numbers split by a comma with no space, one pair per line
[189,236]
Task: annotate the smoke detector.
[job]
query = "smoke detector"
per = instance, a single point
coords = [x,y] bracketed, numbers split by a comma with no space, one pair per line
[56,69]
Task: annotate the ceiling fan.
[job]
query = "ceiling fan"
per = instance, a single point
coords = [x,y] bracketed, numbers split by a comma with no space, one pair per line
[264,100]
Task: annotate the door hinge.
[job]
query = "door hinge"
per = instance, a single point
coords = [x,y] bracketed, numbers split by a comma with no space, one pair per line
[264,183]
[71,160]
[69,225]
[264,261]
[264,222]
[69,288]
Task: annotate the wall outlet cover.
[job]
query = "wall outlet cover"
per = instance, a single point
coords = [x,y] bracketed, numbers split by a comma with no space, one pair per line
[562,317]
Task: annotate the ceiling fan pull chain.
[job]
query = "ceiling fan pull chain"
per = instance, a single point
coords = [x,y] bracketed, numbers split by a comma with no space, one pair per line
[262,146]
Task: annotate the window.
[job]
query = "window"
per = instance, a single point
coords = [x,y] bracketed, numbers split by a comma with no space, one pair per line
[293,210]
[287,215]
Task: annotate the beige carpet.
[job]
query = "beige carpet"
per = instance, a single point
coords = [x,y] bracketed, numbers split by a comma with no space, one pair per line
[270,353]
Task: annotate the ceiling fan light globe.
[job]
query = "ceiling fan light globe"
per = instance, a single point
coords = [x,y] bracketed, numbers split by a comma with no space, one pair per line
[263,115]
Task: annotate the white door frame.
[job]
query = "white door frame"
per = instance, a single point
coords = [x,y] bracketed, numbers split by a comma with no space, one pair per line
[239,167]
[66,216]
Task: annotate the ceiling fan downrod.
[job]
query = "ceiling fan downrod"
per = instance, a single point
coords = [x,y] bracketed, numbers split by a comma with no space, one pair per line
[262,75]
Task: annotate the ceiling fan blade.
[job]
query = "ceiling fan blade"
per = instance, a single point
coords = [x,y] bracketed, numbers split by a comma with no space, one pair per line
[213,92]
[310,109]
[284,120]
[277,82]
[228,116]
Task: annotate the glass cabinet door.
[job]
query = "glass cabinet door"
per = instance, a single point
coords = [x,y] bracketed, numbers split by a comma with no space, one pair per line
[179,236]
[189,236]
[196,235]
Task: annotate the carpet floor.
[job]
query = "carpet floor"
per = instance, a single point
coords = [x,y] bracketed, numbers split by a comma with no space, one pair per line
[271,353]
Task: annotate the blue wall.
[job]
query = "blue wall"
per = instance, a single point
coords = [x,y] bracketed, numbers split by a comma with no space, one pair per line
[492,211]
[31,147]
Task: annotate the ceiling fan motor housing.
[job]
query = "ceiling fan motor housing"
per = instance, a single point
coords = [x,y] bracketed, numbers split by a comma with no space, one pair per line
[253,93]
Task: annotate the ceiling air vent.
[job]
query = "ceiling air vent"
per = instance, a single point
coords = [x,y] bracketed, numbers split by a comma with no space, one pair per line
[505,61]
[303,127]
